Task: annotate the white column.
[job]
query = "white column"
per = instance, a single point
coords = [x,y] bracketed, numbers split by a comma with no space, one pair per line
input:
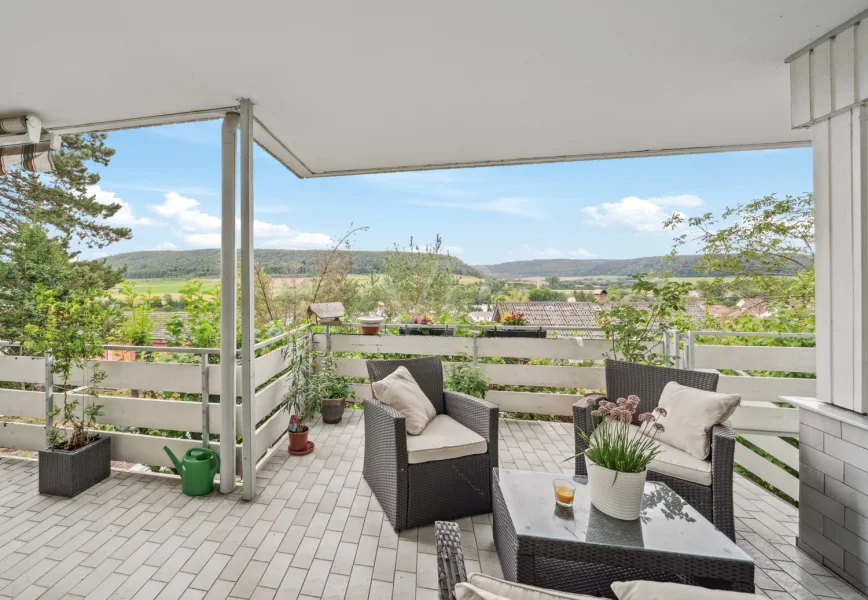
[828,82]
[227,305]
[248,339]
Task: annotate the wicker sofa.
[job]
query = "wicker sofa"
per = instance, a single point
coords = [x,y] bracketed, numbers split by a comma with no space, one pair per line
[713,495]
[413,492]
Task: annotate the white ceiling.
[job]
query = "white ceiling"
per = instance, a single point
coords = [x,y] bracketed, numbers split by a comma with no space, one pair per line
[349,86]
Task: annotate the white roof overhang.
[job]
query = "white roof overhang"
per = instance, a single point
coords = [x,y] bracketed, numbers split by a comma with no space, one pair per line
[384,85]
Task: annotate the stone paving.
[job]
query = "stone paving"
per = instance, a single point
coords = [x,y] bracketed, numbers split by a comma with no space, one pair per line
[314,531]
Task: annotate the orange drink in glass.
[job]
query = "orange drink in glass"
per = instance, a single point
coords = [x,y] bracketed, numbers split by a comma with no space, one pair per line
[565,491]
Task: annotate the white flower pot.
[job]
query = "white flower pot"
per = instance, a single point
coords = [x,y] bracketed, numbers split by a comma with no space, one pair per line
[614,493]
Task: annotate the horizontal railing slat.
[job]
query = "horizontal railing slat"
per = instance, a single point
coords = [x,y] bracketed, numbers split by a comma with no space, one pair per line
[766,388]
[784,452]
[765,417]
[271,431]
[755,358]
[543,348]
[268,398]
[767,471]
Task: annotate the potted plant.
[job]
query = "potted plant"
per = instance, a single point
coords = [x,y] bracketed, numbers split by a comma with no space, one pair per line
[516,319]
[371,324]
[301,399]
[425,320]
[617,456]
[333,391]
[466,380]
[71,331]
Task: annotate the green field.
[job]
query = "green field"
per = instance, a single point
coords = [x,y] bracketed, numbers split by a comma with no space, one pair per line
[161,287]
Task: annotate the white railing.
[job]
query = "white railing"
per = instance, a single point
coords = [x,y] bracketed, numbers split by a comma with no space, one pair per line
[759,420]
[163,378]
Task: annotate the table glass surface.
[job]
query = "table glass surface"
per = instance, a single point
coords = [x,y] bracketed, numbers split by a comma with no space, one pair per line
[667,523]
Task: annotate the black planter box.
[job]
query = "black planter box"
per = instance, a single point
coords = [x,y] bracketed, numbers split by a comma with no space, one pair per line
[515,333]
[442,331]
[68,473]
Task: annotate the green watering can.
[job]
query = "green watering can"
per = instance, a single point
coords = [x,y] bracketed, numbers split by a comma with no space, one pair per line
[197,470]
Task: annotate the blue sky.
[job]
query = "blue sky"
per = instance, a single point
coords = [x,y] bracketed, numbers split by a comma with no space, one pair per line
[168,179]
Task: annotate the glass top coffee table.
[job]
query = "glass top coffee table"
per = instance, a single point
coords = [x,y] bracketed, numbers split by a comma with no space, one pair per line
[582,550]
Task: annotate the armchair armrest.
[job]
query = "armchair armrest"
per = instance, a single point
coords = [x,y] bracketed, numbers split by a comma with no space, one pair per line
[450,557]
[583,421]
[475,414]
[722,458]
[386,457]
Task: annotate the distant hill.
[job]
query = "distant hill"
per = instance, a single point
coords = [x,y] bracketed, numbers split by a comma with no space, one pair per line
[566,267]
[181,264]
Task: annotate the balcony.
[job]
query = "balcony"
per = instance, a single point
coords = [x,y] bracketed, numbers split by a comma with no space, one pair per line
[314,529]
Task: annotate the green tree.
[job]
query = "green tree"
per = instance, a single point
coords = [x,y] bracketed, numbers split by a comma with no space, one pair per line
[637,332]
[545,295]
[420,279]
[767,245]
[137,328]
[36,261]
[72,331]
[554,282]
[60,200]
[202,328]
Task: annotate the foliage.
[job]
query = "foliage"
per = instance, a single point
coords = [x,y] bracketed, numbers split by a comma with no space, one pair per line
[420,279]
[516,318]
[331,386]
[613,444]
[466,380]
[301,398]
[287,263]
[545,295]
[36,261]
[60,200]
[762,243]
[636,332]
[593,267]
[71,331]
[202,328]
[137,327]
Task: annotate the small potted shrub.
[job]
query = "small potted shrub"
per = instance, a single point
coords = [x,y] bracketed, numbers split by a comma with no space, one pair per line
[333,391]
[467,380]
[301,399]
[425,320]
[71,332]
[516,319]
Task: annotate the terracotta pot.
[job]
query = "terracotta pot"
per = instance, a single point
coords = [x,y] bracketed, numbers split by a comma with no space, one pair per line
[371,325]
[333,410]
[370,330]
[615,493]
[298,440]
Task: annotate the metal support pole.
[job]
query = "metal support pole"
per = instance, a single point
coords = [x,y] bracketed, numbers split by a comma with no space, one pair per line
[49,398]
[328,351]
[475,335]
[227,305]
[206,392]
[666,343]
[676,338]
[248,385]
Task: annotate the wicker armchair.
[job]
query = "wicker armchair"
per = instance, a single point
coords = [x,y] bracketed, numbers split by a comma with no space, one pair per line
[622,379]
[419,494]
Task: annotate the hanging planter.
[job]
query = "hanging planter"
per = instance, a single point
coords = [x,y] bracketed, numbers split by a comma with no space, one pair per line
[507,332]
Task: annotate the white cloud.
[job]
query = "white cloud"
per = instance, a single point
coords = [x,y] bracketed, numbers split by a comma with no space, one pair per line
[184,214]
[165,246]
[643,215]
[577,253]
[453,249]
[124,217]
[519,207]
[200,229]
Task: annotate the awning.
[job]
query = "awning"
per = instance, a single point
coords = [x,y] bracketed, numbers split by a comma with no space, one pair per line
[29,157]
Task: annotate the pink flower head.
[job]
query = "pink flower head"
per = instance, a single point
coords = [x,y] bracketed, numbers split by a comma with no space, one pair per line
[661,411]
[633,398]
[596,413]
[632,402]
[659,427]
[610,419]
[647,417]
[589,401]
[626,417]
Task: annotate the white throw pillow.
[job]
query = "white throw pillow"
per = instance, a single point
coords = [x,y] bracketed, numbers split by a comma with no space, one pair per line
[653,590]
[465,591]
[400,391]
[690,415]
[500,588]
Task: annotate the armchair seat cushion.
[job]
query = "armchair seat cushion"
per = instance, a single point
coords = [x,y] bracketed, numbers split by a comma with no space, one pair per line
[444,438]
[679,464]
[485,587]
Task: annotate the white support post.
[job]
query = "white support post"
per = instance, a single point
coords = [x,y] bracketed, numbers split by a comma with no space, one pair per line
[49,398]
[829,88]
[248,383]
[227,304]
